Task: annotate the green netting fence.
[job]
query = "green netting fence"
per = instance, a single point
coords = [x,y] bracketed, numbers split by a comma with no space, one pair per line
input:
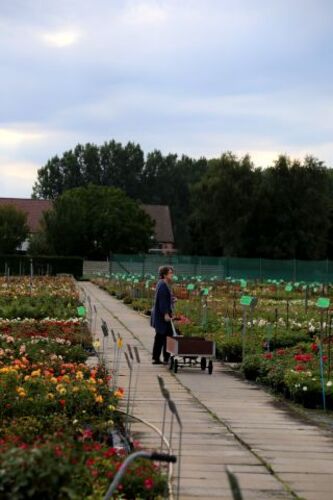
[223,267]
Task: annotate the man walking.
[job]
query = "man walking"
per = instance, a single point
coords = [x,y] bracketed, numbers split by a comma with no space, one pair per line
[162,314]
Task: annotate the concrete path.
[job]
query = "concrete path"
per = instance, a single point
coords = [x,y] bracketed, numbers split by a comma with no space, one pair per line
[226,422]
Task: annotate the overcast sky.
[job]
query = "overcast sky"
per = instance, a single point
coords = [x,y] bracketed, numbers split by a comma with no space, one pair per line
[186,76]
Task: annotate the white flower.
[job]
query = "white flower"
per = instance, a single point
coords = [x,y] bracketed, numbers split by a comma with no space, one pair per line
[305,388]
[329,383]
[262,322]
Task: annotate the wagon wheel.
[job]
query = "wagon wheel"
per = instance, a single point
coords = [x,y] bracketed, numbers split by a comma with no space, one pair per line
[175,366]
[171,362]
[203,364]
[210,367]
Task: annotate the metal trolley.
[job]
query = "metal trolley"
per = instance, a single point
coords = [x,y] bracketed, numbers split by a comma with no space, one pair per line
[190,351]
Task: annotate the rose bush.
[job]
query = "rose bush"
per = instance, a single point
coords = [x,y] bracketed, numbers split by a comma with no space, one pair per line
[58,416]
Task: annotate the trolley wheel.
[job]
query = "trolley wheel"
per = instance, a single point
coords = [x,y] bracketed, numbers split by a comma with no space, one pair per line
[210,367]
[175,366]
[203,364]
[171,362]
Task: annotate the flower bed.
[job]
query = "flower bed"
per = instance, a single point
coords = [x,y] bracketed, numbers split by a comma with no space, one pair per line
[42,297]
[294,372]
[58,417]
[284,324]
[75,331]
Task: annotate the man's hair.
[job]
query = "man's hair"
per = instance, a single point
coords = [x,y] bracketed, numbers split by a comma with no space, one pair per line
[163,271]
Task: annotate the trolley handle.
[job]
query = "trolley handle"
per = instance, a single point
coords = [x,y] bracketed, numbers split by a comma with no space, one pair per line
[163,457]
[174,332]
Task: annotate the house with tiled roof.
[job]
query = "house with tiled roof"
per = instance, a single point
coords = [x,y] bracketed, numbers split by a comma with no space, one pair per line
[160,214]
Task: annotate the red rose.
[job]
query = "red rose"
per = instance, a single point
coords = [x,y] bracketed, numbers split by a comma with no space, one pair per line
[149,483]
[280,352]
[314,347]
[58,451]
[87,434]
[110,452]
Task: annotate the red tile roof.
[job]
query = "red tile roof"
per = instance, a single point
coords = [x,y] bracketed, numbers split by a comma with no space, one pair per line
[163,225]
[33,208]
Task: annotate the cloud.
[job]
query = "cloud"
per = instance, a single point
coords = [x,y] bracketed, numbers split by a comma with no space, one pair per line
[182,76]
[12,137]
[19,170]
[145,13]
[61,39]
[17,178]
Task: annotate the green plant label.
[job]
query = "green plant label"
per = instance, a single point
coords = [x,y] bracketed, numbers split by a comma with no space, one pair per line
[246,300]
[81,310]
[323,303]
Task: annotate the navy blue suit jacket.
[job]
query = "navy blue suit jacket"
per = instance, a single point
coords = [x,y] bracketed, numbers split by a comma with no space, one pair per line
[162,306]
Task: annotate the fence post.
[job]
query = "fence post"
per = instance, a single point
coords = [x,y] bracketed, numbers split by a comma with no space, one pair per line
[294,270]
[110,264]
[143,264]
[227,266]
[221,268]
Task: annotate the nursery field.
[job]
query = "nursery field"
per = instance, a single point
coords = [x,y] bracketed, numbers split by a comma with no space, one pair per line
[275,333]
[58,414]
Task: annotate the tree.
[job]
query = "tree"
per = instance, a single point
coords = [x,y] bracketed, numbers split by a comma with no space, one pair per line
[13,229]
[93,221]
[111,165]
[281,212]
[167,180]
[222,204]
[39,245]
[292,210]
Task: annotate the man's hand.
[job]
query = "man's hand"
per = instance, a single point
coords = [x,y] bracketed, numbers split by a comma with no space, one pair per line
[167,317]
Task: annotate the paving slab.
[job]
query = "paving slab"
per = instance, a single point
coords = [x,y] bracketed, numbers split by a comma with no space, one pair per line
[227,421]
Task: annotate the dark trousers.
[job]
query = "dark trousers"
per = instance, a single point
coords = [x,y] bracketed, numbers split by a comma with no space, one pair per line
[159,344]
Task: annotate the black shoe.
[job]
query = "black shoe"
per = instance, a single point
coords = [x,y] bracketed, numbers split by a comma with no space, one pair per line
[157,362]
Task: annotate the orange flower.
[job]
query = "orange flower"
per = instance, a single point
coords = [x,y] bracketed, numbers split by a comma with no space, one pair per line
[119,393]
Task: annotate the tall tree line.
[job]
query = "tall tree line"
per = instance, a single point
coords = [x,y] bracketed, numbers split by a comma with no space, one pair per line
[222,206]
[156,179]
